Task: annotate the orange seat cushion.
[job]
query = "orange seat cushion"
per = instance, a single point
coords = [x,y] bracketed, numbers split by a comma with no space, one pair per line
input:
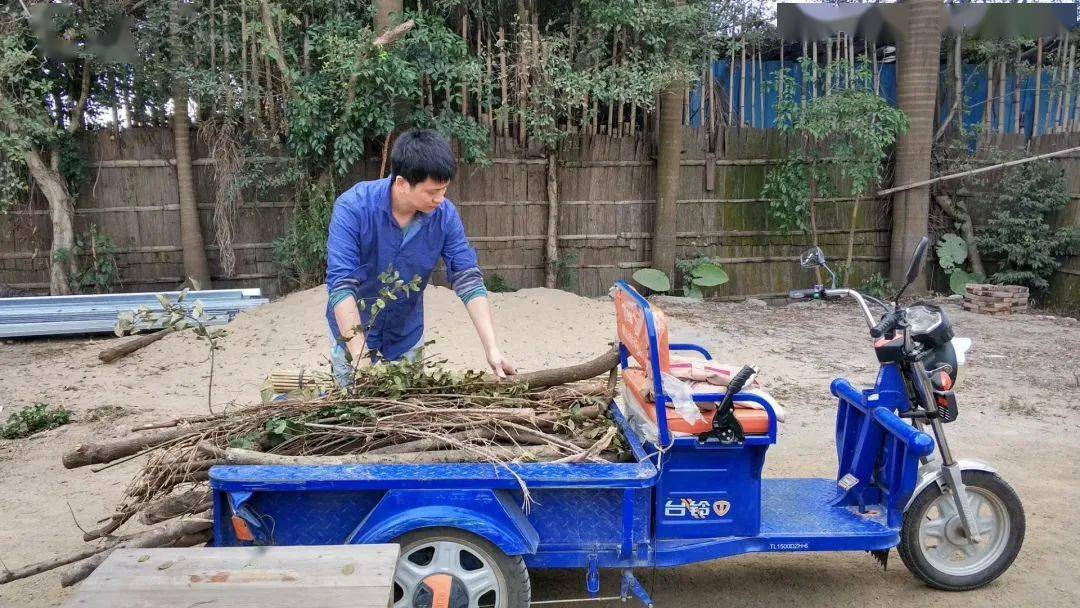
[753,421]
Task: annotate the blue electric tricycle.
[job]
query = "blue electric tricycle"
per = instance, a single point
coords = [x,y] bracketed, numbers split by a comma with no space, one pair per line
[473,530]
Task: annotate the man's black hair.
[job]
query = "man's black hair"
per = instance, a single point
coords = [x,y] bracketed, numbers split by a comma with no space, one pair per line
[422,153]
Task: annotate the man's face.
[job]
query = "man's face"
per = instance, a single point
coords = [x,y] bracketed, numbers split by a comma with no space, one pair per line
[425,196]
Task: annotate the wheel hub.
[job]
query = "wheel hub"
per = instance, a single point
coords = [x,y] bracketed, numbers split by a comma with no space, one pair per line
[440,591]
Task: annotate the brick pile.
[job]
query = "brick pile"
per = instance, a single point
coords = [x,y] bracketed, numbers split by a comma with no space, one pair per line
[995,300]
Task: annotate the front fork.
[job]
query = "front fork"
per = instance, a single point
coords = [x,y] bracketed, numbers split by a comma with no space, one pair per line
[951,478]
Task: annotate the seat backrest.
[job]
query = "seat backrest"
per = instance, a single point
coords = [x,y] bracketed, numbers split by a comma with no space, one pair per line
[632,320]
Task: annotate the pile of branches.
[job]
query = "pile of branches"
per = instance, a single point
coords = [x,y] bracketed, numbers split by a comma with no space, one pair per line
[401,413]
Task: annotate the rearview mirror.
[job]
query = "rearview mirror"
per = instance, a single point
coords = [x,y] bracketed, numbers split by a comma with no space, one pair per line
[812,258]
[917,259]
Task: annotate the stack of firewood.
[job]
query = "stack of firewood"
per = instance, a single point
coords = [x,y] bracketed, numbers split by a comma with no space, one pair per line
[391,414]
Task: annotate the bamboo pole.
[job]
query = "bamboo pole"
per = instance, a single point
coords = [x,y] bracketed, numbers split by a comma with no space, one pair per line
[502,82]
[1067,118]
[620,112]
[243,57]
[1062,51]
[552,246]
[742,87]
[731,87]
[1002,94]
[804,94]
[761,88]
[1016,95]
[611,102]
[464,84]
[753,87]
[996,167]
[814,74]
[877,71]
[828,67]
[958,93]
[705,88]
[1038,88]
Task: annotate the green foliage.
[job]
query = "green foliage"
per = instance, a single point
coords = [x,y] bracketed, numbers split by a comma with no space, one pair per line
[854,127]
[566,271]
[329,132]
[952,250]
[34,419]
[95,262]
[651,278]
[697,273]
[495,283]
[700,272]
[878,286]
[301,253]
[1018,236]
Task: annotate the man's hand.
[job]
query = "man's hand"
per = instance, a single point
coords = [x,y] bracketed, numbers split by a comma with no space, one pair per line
[499,364]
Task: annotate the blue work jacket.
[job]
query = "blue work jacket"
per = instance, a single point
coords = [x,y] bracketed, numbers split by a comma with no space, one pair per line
[365,240]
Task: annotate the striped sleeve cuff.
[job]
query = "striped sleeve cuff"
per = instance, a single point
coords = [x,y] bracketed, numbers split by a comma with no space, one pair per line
[467,281]
[481,292]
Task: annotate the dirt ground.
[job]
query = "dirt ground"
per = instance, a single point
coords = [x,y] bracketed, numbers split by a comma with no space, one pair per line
[1019,396]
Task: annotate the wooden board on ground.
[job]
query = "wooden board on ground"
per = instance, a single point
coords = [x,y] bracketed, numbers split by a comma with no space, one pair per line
[357,576]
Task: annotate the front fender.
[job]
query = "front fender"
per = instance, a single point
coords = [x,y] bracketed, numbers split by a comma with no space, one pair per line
[490,514]
[933,474]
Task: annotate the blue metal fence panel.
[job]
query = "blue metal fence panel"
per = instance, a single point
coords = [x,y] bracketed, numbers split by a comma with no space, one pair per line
[974,79]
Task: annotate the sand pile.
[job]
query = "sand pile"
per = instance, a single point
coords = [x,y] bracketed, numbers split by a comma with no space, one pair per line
[537,329]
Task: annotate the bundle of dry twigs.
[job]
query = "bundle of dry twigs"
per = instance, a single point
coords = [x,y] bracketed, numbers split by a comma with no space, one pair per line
[391,414]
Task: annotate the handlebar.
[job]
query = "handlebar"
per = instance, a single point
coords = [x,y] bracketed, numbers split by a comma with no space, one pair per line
[821,293]
[887,325]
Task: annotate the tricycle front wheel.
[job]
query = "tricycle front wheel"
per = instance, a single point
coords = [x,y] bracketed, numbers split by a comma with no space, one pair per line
[450,568]
[932,541]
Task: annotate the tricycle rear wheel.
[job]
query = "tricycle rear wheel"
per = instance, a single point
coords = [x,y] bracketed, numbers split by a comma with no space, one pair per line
[458,568]
[932,542]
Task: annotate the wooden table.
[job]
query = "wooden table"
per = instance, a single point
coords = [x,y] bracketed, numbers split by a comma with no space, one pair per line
[357,576]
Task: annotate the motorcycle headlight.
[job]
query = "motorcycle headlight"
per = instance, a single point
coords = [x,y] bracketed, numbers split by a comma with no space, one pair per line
[922,319]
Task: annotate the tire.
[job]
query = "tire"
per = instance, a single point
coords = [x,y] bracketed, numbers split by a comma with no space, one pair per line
[995,501]
[508,575]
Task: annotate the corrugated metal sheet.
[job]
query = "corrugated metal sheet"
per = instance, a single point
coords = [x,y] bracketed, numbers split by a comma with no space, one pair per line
[86,314]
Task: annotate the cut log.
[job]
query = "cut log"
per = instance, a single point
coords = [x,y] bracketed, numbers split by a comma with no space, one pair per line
[158,537]
[98,453]
[112,525]
[251,457]
[50,564]
[564,375]
[116,352]
[170,507]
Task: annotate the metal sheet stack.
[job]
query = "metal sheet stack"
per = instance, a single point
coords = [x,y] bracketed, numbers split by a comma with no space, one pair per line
[89,314]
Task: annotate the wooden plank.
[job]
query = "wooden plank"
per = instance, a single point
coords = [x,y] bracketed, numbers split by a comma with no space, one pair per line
[242,577]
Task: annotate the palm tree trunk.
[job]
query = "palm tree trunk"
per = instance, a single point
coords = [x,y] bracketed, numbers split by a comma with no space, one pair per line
[667,178]
[918,60]
[196,267]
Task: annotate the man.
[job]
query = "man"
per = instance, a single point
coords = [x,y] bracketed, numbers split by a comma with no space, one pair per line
[405,222]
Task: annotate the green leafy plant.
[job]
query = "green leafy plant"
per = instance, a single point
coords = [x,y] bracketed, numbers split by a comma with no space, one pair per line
[495,283]
[94,255]
[844,139]
[301,253]
[1018,236]
[566,271]
[878,285]
[697,273]
[34,419]
[175,316]
[952,250]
